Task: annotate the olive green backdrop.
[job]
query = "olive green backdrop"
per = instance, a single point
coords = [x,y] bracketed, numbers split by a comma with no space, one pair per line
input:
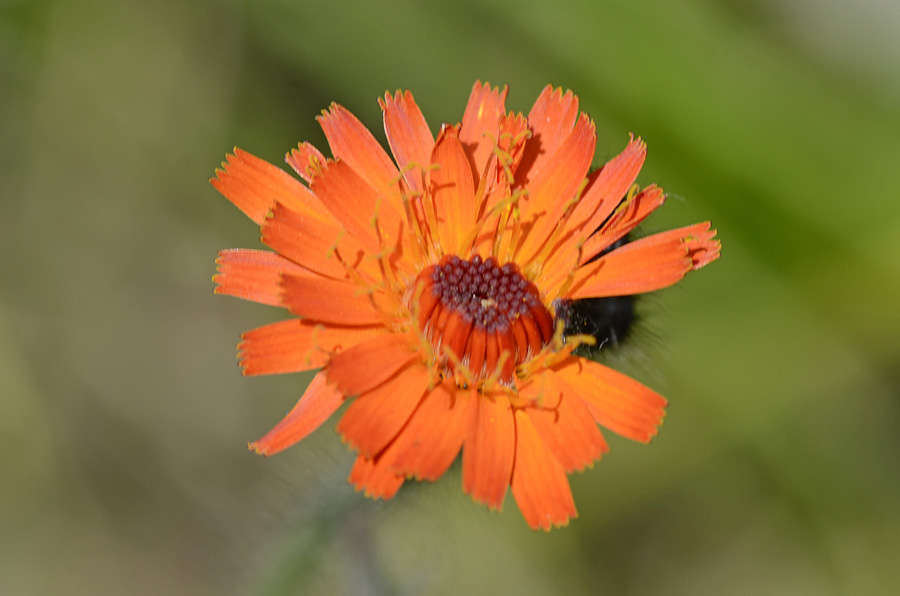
[124,419]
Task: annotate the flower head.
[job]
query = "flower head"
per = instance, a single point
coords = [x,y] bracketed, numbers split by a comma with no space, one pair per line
[429,289]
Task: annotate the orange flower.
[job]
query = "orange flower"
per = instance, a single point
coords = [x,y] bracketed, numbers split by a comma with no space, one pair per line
[426,289]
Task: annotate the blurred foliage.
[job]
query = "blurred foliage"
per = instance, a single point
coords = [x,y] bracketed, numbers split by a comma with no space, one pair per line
[123,419]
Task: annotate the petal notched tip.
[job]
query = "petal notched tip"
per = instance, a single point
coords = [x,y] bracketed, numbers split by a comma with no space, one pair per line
[703,247]
[258,449]
[491,504]
[374,478]
[306,160]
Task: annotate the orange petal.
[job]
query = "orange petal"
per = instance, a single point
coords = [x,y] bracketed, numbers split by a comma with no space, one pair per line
[539,482]
[616,401]
[551,119]
[375,478]
[643,267]
[355,203]
[375,418]
[477,350]
[330,300]
[455,336]
[254,186]
[564,423]
[305,160]
[552,190]
[628,215]
[437,313]
[358,369]
[253,274]
[648,264]
[428,300]
[295,345]
[318,403]
[478,132]
[434,435]
[408,135]
[607,186]
[352,143]
[544,322]
[521,337]
[489,450]
[532,333]
[506,341]
[312,244]
[452,189]
[492,352]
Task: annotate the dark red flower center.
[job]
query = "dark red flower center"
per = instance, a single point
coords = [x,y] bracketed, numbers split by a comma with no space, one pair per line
[479,310]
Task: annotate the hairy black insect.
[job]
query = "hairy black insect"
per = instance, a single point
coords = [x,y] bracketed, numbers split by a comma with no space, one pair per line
[608,320]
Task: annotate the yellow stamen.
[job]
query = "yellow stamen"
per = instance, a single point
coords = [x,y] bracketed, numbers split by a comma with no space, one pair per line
[316,347]
[493,381]
[415,235]
[479,225]
[515,232]
[460,370]
[431,220]
[625,204]
[388,316]
[570,278]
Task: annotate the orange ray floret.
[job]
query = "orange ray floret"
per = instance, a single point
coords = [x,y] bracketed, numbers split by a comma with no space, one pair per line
[329,300]
[539,481]
[565,424]
[368,364]
[353,144]
[479,122]
[550,120]
[616,401]
[648,264]
[453,191]
[315,245]
[358,206]
[606,187]
[253,274]
[489,450]
[376,417]
[296,345]
[434,435]
[318,403]
[431,286]
[627,215]
[255,186]
[375,478]
[408,135]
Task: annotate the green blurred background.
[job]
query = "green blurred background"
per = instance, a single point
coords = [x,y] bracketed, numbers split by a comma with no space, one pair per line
[124,420]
